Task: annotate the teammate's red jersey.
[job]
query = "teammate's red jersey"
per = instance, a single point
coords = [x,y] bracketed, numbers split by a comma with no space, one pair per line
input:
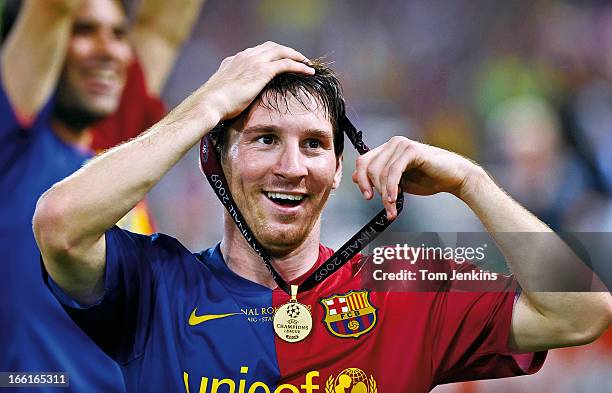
[138,110]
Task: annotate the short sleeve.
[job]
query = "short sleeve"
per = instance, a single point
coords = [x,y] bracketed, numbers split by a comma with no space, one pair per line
[473,330]
[119,322]
[469,317]
[138,110]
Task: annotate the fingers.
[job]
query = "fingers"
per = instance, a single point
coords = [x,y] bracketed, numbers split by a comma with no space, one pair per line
[275,52]
[389,161]
[274,59]
[283,59]
[382,168]
[367,175]
[365,172]
[270,51]
[390,182]
[289,65]
[407,155]
[376,172]
[360,177]
[240,78]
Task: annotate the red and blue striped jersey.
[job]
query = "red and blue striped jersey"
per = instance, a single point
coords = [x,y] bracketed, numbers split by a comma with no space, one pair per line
[183,322]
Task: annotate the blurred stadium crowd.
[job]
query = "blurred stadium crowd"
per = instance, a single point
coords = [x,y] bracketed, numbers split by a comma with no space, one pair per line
[522,87]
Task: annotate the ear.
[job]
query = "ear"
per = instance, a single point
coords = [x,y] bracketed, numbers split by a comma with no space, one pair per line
[338,174]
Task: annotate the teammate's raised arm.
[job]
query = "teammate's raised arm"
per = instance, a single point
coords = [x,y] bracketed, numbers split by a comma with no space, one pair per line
[34,52]
[71,217]
[541,320]
[157,36]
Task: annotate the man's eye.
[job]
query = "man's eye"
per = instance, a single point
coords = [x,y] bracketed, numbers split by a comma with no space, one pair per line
[82,28]
[266,139]
[313,144]
[120,32]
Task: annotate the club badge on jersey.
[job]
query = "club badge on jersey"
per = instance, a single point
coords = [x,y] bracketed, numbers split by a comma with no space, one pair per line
[349,314]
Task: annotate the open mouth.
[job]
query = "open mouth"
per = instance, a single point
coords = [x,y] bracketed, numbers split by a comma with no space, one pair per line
[102,74]
[287,200]
[102,80]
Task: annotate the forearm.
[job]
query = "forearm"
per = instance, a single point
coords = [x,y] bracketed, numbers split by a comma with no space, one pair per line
[161,28]
[495,208]
[34,53]
[76,212]
[559,305]
[555,282]
[71,218]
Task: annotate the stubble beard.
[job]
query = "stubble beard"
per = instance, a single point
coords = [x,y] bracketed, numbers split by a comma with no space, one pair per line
[279,238]
[78,111]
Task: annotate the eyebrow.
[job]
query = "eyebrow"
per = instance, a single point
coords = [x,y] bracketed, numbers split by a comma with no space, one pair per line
[87,21]
[314,132]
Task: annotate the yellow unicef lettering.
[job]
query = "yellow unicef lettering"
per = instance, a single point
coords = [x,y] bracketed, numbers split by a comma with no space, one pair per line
[286,386]
[309,387]
[226,381]
[243,370]
[186,381]
[203,383]
[258,384]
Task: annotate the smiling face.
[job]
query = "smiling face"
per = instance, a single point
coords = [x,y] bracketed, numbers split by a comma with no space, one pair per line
[97,59]
[281,167]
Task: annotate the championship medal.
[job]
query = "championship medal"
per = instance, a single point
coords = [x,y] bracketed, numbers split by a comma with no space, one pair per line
[292,321]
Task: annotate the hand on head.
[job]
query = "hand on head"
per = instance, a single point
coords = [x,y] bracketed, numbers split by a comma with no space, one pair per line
[240,79]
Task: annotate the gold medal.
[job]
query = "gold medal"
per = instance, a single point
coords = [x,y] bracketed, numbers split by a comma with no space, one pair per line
[292,321]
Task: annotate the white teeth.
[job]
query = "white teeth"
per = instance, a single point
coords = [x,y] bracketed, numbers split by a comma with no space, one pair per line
[102,74]
[278,195]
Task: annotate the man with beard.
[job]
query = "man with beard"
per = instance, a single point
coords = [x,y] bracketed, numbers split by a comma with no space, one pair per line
[178,321]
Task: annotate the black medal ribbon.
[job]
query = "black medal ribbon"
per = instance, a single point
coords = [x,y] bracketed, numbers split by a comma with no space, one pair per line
[209,163]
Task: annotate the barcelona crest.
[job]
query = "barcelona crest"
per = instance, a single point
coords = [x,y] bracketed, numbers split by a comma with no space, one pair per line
[350,314]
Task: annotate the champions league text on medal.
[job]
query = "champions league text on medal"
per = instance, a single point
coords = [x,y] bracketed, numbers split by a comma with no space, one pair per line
[413,255]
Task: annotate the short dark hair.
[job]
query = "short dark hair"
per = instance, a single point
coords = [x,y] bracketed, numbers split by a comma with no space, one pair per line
[323,86]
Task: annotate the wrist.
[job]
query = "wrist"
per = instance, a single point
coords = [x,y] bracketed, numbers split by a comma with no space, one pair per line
[196,115]
[475,183]
[213,109]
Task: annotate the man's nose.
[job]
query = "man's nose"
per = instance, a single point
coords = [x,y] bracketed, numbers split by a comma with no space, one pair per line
[291,163]
[107,45]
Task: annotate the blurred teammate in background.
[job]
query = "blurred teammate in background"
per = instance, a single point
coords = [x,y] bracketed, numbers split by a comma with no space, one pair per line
[74,81]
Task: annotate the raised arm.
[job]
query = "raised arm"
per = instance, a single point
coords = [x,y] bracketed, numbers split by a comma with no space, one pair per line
[34,52]
[535,254]
[72,217]
[546,315]
[160,29]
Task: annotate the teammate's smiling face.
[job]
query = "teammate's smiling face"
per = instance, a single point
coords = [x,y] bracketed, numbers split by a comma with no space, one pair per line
[96,63]
[281,167]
